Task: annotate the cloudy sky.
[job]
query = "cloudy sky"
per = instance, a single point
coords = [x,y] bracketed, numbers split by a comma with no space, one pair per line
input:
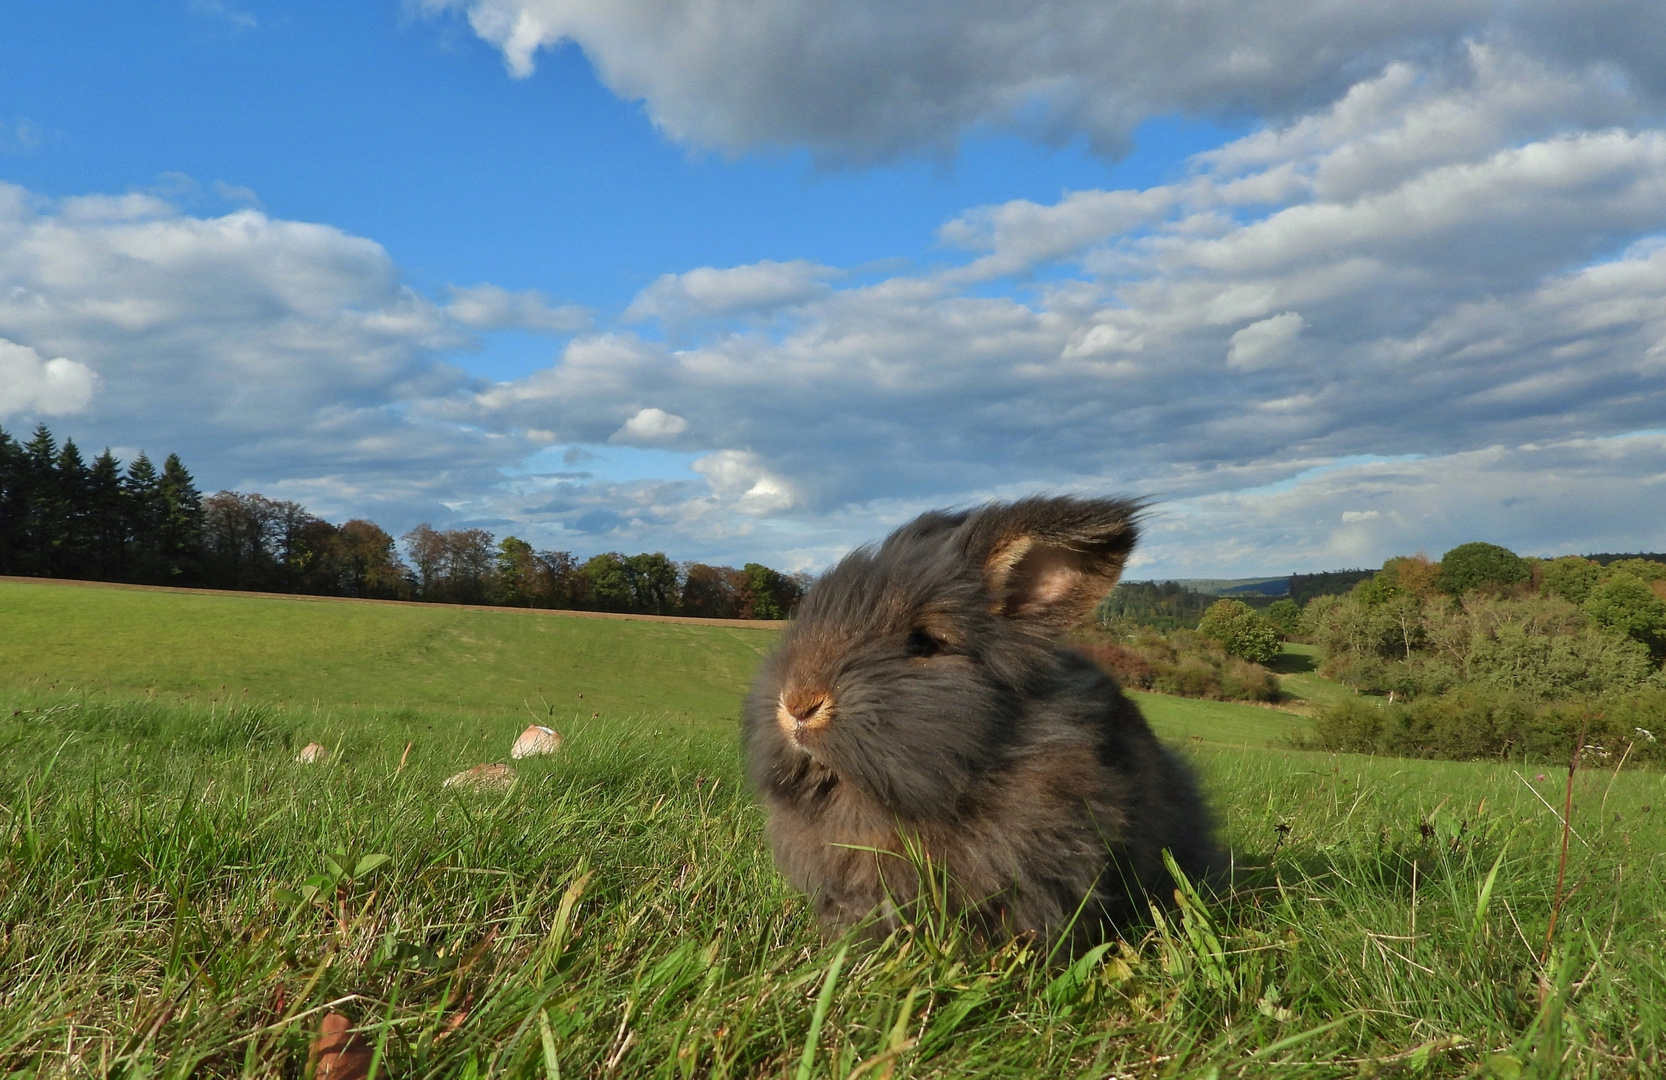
[759,279]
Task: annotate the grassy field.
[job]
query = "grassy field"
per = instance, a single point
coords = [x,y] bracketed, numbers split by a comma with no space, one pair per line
[1298,676]
[179,897]
[331,654]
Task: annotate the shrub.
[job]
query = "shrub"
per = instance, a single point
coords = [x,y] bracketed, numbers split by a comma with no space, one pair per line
[1285,616]
[1626,605]
[1570,577]
[1412,575]
[1580,663]
[1475,723]
[1240,631]
[1183,664]
[1480,565]
[1126,666]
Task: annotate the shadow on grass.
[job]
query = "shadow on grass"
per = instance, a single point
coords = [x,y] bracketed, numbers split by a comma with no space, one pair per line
[1293,663]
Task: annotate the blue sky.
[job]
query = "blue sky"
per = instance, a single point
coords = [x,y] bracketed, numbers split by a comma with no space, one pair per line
[408,131]
[759,279]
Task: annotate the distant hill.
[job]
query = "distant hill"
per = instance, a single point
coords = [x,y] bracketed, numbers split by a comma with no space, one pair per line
[1647,556]
[1259,591]
[1259,586]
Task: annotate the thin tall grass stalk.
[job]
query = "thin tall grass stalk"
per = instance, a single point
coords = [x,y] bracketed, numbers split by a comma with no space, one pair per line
[1562,864]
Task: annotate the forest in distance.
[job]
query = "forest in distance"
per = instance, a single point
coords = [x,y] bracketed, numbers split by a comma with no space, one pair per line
[64,517]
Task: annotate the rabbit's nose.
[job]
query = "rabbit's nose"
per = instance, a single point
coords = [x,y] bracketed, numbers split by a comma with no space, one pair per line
[801,713]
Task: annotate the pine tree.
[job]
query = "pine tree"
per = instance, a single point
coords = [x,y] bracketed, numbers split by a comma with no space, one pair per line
[147,513]
[182,527]
[11,502]
[107,519]
[43,512]
[74,551]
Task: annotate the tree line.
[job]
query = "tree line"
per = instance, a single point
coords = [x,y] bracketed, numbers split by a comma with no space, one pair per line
[61,516]
[1487,654]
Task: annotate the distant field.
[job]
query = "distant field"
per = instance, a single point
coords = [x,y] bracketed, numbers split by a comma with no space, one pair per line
[423,660]
[1221,722]
[1297,669]
[178,897]
[433,659]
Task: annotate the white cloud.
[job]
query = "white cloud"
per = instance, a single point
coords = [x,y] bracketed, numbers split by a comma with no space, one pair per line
[1555,498]
[864,80]
[29,384]
[1505,291]
[263,351]
[1021,234]
[708,292]
[490,307]
[740,477]
[1440,296]
[1266,342]
[650,425]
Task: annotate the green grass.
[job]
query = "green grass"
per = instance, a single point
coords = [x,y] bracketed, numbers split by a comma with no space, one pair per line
[1297,667]
[436,660]
[178,896]
[1177,718]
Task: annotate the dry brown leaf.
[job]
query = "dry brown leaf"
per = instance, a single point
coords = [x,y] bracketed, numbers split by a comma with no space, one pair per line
[455,1020]
[339,1052]
[483,778]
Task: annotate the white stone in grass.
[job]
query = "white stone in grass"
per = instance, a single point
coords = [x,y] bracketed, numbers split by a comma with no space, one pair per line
[536,740]
[311,754]
[483,778]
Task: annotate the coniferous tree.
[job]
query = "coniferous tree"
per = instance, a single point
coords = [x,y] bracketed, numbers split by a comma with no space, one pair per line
[147,516]
[106,520]
[182,526]
[11,502]
[74,551]
[43,510]
[61,516]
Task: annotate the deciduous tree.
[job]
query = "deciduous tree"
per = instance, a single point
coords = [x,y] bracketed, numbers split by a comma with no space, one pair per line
[1240,631]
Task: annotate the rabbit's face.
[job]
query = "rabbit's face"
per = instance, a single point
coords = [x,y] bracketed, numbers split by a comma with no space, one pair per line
[907,666]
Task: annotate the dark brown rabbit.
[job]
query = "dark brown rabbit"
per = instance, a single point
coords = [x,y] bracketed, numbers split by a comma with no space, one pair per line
[920,703]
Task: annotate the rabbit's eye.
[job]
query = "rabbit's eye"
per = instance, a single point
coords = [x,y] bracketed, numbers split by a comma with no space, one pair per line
[921,643]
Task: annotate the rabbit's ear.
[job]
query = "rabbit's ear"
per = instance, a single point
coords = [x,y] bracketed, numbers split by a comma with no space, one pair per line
[1047,561]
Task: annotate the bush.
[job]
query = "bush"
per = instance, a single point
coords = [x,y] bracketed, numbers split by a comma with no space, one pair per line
[1183,664]
[1474,723]
[1240,631]
[1480,565]
[1285,616]
[1570,577]
[1580,663]
[1626,605]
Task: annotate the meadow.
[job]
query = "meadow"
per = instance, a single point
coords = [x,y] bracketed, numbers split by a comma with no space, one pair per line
[179,897]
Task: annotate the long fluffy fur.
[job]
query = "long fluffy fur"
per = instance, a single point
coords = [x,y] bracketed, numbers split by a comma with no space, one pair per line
[940,716]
